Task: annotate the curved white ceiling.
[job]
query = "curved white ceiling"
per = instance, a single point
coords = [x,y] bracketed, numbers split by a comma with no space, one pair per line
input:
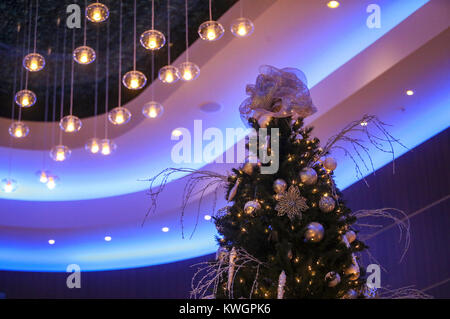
[352,70]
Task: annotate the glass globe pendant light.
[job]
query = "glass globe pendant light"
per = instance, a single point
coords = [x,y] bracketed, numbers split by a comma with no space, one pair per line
[70,124]
[134,80]
[211,31]
[60,153]
[52,182]
[84,55]
[152,110]
[97,12]
[169,74]
[93,145]
[188,70]
[43,176]
[8,185]
[152,39]
[119,115]
[25,98]
[107,147]
[18,130]
[242,27]
[33,62]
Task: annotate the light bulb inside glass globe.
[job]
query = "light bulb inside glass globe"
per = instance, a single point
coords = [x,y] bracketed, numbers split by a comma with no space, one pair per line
[33,62]
[107,147]
[18,130]
[152,40]
[8,185]
[119,115]
[97,12]
[70,124]
[43,176]
[25,98]
[52,181]
[134,80]
[189,71]
[60,153]
[152,110]
[93,145]
[211,31]
[169,74]
[84,55]
[242,27]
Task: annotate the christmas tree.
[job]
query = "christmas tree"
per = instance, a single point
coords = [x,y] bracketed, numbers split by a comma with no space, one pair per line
[292,228]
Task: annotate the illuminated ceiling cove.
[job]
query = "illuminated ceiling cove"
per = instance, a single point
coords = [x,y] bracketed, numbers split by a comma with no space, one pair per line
[351,69]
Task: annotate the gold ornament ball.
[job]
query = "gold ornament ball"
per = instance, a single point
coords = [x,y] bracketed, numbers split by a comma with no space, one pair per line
[314,232]
[308,176]
[279,186]
[352,271]
[329,164]
[332,278]
[251,206]
[248,168]
[327,204]
[351,236]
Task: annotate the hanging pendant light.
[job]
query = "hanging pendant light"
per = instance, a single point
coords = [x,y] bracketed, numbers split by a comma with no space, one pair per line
[25,98]
[84,55]
[211,31]
[97,12]
[93,145]
[33,62]
[169,74]
[242,27]
[107,147]
[152,110]
[134,80]
[18,130]
[70,124]
[43,176]
[152,40]
[8,185]
[60,153]
[52,182]
[119,115]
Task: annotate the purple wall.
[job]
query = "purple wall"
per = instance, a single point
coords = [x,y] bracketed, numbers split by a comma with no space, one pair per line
[420,187]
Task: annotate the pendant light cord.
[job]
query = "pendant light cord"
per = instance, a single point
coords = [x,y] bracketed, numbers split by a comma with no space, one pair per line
[153,14]
[85,24]
[187,28]
[35,25]
[210,10]
[241,8]
[72,72]
[61,111]
[134,37]
[120,56]
[168,32]
[107,79]
[55,80]
[96,86]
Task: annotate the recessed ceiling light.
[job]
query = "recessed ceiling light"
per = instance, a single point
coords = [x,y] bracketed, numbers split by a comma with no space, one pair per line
[207,217]
[333,4]
[108,238]
[51,241]
[165,229]
[409,92]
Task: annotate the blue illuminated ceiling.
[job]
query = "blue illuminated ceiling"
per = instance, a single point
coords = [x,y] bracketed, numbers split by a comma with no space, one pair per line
[352,70]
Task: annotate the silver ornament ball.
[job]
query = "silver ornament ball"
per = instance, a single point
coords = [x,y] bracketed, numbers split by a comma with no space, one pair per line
[329,164]
[279,186]
[332,278]
[327,204]
[314,232]
[351,236]
[251,206]
[308,176]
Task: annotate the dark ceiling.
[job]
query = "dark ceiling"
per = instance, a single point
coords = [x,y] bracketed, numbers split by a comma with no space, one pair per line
[13,12]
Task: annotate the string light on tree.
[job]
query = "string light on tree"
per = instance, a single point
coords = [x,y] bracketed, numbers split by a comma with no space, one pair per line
[84,55]
[8,185]
[18,130]
[70,124]
[33,62]
[60,153]
[152,110]
[25,98]
[97,12]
